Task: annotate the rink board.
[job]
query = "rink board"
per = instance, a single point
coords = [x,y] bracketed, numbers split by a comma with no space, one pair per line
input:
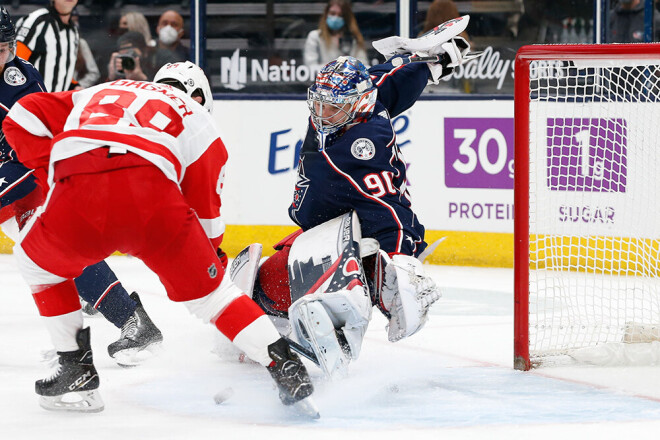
[460,156]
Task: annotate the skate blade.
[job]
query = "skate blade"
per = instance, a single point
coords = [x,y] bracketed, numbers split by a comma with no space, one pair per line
[132,357]
[306,407]
[80,401]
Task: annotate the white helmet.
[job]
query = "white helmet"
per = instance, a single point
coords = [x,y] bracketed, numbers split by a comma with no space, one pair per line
[188,77]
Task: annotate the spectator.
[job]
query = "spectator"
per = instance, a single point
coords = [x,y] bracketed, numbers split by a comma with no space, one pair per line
[170,30]
[87,72]
[338,34]
[135,21]
[439,12]
[49,40]
[132,59]
[627,22]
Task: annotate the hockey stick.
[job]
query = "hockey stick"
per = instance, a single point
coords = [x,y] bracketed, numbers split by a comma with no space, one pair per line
[396,62]
[309,354]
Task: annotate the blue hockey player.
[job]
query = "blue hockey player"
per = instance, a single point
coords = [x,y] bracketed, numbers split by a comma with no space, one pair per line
[350,161]
[21,194]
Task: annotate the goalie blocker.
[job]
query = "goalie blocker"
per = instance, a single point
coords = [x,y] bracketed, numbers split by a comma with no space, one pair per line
[325,282]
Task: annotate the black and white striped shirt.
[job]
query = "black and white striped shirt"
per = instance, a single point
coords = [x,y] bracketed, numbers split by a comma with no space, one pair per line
[50,45]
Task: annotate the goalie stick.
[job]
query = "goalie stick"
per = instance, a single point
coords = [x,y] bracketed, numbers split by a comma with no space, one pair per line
[309,354]
[396,62]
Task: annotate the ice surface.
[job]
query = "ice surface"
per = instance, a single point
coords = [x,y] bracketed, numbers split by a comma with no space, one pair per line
[453,380]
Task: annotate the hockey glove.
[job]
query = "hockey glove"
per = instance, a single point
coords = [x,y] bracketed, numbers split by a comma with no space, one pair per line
[454,53]
[407,294]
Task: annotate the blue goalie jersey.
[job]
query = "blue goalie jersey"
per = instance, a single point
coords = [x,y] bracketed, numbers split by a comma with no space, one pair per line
[17,79]
[363,169]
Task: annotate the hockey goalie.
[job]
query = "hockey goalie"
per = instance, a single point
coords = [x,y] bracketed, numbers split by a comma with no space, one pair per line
[325,279]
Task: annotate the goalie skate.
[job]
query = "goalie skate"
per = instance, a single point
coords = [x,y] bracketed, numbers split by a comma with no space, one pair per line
[316,332]
[73,385]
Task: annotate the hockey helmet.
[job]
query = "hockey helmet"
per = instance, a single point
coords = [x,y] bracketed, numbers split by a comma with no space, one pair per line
[342,94]
[7,33]
[188,77]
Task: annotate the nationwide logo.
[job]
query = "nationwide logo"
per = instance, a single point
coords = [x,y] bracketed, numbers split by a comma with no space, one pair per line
[234,71]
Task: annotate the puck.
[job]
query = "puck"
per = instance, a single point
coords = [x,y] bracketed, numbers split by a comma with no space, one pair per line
[222,395]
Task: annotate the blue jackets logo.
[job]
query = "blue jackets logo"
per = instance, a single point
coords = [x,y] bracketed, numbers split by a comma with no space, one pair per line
[363,149]
[14,77]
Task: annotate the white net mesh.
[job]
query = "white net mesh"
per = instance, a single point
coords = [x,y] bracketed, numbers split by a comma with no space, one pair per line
[594,202]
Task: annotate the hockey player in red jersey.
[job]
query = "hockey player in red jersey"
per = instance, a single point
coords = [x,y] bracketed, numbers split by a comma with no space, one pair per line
[136,167]
[21,193]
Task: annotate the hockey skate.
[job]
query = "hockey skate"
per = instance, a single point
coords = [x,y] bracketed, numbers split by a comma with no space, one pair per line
[140,338]
[75,376]
[292,379]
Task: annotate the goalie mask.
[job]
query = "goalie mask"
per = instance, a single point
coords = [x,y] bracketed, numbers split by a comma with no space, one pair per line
[189,78]
[7,37]
[342,94]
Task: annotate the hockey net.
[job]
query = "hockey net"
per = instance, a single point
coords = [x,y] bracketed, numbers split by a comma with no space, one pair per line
[587,204]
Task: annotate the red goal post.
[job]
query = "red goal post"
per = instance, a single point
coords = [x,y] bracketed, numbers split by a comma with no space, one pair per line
[587,199]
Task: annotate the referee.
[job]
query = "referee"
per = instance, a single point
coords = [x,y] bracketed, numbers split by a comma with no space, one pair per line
[48,39]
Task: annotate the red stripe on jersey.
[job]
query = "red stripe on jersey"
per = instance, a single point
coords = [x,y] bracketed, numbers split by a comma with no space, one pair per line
[25,176]
[105,293]
[58,299]
[203,179]
[387,75]
[240,313]
[369,196]
[125,139]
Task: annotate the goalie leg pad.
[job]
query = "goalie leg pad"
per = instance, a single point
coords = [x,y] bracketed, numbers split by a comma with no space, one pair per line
[350,312]
[315,330]
[407,294]
[244,268]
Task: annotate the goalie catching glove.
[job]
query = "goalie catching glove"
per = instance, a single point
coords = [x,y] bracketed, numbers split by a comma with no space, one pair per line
[406,295]
[455,53]
[442,41]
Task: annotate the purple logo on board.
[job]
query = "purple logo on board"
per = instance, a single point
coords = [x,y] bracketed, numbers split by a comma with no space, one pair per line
[587,154]
[479,153]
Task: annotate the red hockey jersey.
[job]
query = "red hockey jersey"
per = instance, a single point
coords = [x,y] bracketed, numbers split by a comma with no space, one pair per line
[155,121]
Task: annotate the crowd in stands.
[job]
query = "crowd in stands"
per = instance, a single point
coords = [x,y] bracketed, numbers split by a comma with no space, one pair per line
[124,43]
[122,49]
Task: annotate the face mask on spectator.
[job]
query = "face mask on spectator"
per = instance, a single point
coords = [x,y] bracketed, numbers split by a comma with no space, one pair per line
[167,35]
[334,22]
